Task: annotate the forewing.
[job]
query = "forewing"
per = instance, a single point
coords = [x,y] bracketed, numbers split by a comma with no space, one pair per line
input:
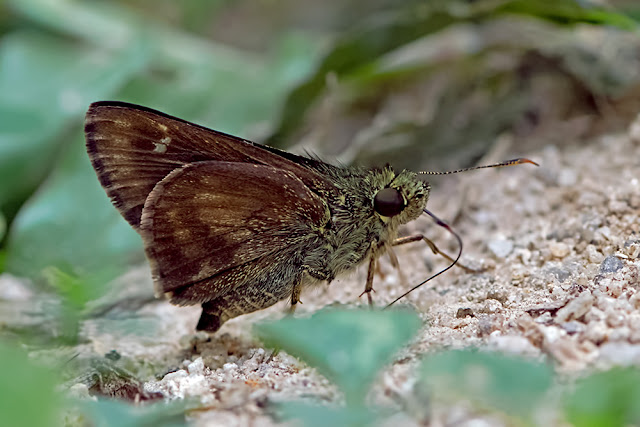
[132,148]
[209,219]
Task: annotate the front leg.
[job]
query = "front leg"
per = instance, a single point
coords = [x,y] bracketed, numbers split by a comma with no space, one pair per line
[368,287]
[434,249]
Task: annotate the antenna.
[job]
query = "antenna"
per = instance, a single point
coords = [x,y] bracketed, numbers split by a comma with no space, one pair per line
[518,161]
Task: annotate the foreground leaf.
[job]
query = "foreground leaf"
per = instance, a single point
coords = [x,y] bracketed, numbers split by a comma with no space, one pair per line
[510,384]
[349,347]
[321,416]
[26,386]
[609,398]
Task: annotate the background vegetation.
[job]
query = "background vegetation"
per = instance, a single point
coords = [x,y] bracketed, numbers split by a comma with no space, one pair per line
[356,81]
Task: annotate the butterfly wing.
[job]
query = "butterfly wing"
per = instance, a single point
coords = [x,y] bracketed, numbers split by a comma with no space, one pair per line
[207,226]
[132,148]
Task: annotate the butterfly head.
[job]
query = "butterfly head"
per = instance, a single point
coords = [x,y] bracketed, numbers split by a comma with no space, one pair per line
[402,199]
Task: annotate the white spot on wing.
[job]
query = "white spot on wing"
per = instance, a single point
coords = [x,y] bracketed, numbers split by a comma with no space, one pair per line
[159,148]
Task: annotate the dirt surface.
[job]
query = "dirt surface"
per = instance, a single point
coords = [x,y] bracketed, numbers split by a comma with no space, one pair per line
[559,247]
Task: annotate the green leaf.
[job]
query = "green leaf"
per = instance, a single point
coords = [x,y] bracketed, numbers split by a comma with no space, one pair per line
[609,398]
[349,347]
[70,224]
[46,83]
[28,395]
[321,416]
[359,49]
[107,413]
[510,384]
[3,228]
[569,12]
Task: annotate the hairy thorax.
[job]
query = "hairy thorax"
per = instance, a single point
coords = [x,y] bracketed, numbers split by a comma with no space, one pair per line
[355,232]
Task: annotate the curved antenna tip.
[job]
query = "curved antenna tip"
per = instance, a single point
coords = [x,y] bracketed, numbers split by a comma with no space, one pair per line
[523,160]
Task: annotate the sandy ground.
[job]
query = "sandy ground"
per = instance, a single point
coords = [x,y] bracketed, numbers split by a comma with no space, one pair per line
[559,245]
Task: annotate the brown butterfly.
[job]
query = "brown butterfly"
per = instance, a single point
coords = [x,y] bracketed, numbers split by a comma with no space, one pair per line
[237,226]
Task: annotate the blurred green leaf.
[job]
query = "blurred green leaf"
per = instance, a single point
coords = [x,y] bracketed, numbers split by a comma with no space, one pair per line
[569,12]
[27,394]
[108,413]
[610,398]
[321,416]
[348,347]
[71,224]
[46,83]
[3,230]
[506,383]
[360,49]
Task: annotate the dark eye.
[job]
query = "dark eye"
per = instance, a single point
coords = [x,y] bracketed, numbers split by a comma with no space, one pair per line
[388,202]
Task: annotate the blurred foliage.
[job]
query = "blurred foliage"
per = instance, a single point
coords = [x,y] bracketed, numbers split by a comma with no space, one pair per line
[364,81]
[107,413]
[605,399]
[349,347]
[509,384]
[24,385]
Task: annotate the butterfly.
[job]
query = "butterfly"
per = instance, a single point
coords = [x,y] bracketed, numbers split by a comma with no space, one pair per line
[237,226]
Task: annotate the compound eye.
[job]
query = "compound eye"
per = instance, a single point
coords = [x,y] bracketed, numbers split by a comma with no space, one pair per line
[388,202]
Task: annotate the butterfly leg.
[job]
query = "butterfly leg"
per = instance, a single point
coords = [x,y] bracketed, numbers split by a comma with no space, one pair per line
[295,295]
[368,288]
[210,318]
[418,237]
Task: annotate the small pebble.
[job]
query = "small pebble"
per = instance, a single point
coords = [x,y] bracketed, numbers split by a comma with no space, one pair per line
[567,178]
[593,254]
[620,353]
[196,367]
[497,295]
[559,250]
[576,308]
[464,312]
[611,264]
[573,327]
[501,247]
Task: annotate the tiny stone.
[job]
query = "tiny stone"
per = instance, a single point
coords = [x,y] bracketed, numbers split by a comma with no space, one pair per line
[603,233]
[620,353]
[596,332]
[552,334]
[593,254]
[560,273]
[464,312]
[175,376]
[611,264]
[576,308]
[573,327]
[618,206]
[501,247]
[559,250]
[497,295]
[229,366]
[491,306]
[512,344]
[622,333]
[196,367]
[567,178]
